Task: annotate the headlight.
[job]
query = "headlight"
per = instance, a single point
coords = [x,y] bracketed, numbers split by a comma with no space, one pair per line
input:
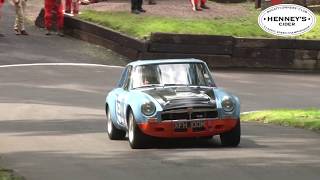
[227,104]
[148,108]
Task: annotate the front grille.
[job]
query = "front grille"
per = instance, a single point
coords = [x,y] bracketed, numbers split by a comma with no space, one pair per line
[204,114]
[181,103]
[173,116]
[189,114]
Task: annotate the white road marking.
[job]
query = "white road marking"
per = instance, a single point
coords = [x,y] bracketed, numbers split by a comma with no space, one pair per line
[77,64]
[248,112]
[59,64]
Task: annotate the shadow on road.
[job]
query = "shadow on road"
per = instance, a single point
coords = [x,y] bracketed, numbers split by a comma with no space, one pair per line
[164,163]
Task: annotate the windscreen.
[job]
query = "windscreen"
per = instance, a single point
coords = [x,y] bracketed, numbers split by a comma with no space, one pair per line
[188,74]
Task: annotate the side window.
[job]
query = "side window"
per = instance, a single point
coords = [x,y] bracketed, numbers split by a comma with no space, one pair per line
[207,76]
[128,79]
[201,74]
[123,77]
[192,74]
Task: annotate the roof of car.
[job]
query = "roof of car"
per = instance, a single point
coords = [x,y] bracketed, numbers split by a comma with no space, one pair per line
[164,61]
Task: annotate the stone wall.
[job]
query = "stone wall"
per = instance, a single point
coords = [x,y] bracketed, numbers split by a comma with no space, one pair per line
[217,51]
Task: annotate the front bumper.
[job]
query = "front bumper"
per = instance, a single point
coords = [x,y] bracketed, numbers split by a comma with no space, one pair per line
[165,129]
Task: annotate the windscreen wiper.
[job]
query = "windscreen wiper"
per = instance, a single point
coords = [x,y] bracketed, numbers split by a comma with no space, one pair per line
[175,85]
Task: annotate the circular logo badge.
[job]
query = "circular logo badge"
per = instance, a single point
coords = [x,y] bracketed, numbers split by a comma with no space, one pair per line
[287,20]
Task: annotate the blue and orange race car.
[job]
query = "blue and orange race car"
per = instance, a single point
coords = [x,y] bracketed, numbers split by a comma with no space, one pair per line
[174,98]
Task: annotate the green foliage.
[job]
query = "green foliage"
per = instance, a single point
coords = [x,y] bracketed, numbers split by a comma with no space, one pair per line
[308,118]
[141,26]
[9,175]
[4,176]
[315,32]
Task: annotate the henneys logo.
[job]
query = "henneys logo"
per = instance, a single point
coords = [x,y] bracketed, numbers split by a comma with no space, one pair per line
[287,20]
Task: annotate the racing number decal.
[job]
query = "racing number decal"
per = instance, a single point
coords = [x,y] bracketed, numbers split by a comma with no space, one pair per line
[120,110]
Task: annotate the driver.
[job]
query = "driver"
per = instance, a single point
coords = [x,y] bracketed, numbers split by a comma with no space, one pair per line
[150,75]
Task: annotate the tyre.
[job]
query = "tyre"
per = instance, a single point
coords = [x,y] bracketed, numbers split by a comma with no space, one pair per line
[113,132]
[137,139]
[231,138]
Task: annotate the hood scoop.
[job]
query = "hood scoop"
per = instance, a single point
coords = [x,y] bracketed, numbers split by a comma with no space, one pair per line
[183,97]
[189,102]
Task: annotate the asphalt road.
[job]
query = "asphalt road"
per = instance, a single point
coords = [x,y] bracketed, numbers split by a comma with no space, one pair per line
[52,122]
[38,47]
[52,126]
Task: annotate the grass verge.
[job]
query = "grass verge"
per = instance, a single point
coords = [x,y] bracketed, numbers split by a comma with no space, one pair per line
[6,174]
[141,26]
[307,118]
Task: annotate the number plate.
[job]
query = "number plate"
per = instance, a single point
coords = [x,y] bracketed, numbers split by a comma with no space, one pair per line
[182,126]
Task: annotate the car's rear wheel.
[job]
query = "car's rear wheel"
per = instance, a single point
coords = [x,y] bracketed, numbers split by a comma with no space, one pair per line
[137,139]
[231,138]
[113,132]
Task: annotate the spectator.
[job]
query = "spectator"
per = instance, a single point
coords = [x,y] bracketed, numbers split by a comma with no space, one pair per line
[195,5]
[72,4]
[20,6]
[1,3]
[203,4]
[136,7]
[56,7]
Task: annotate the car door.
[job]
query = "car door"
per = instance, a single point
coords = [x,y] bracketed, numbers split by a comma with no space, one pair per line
[121,99]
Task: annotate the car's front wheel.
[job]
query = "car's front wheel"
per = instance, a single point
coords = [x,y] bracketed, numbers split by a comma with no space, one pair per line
[137,139]
[113,132]
[231,138]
